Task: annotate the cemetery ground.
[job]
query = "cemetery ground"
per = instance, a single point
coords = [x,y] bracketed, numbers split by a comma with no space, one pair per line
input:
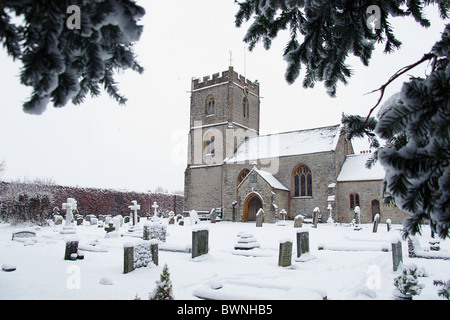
[351,265]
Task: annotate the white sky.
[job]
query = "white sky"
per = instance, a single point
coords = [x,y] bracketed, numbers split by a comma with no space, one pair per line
[144,144]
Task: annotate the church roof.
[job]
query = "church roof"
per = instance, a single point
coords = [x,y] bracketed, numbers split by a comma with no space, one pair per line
[288,144]
[269,178]
[354,169]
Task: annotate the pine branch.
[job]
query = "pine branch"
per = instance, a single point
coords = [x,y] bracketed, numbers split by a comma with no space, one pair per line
[402,71]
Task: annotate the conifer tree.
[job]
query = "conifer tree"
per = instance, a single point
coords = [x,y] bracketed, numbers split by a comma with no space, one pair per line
[64,62]
[324,33]
[163,290]
[414,123]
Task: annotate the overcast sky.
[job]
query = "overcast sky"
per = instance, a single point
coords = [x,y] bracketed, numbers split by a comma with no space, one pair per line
[143,145]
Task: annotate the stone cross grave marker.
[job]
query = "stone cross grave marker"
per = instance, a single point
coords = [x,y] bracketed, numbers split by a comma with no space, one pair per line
[285,254]
[397,255]
[70,205]
[376,220]
[259,218]
[135,207]
[155,206]
[199,242]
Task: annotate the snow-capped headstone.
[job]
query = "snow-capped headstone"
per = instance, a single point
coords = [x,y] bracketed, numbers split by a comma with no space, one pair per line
[8,267]
[199,242]
[316,213]
[397,255]
[285,253]
[357,215]
[194,217]
[139,254]
[259,218]
[376,220]
[71,252]
[155,230]
[298,221]
[212,215]
[388,225]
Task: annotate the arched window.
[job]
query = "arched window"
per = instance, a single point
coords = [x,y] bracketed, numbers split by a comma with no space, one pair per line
[210,106]
[244,173]
[302,181]
[354,200]
[245,107]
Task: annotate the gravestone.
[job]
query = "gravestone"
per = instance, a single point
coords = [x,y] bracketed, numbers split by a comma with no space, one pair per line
[138,255]
[212,215]
[134,230]
[58,219]
[23,236]
[298,221]
[155,230]
[316,213]
[388,225]
[134,207]
[199,242]
[302,242]
[69,206]
[71,250]
[111,227]
[397,255]
[357,215]
[194,217]
[376,220]
[8,267]
[94,221]
[259,218]
[155,206]
[285,254]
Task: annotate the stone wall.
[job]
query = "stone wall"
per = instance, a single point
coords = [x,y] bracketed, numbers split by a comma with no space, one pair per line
[368,191]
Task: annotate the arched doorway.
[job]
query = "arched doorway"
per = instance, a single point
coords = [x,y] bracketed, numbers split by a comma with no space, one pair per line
[375,208]
[251,206]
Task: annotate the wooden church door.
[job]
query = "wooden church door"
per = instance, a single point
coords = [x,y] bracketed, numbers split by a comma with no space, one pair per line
[253,206]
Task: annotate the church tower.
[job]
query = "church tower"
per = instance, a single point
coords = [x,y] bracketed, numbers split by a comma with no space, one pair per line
[225,110]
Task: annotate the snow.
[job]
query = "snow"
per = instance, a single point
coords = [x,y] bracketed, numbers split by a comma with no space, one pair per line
[288,144]
[354,169]
[42,273]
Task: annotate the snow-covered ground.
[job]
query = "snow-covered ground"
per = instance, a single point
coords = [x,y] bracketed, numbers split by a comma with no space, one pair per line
[365,272]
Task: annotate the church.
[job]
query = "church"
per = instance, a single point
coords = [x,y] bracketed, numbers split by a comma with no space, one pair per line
[236,171]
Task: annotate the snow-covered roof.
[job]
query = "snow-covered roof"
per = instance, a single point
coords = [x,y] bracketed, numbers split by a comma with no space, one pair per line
[288,144]
[354,169]
[269,178]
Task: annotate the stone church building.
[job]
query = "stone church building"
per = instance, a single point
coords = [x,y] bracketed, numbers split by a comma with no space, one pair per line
[236,171]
